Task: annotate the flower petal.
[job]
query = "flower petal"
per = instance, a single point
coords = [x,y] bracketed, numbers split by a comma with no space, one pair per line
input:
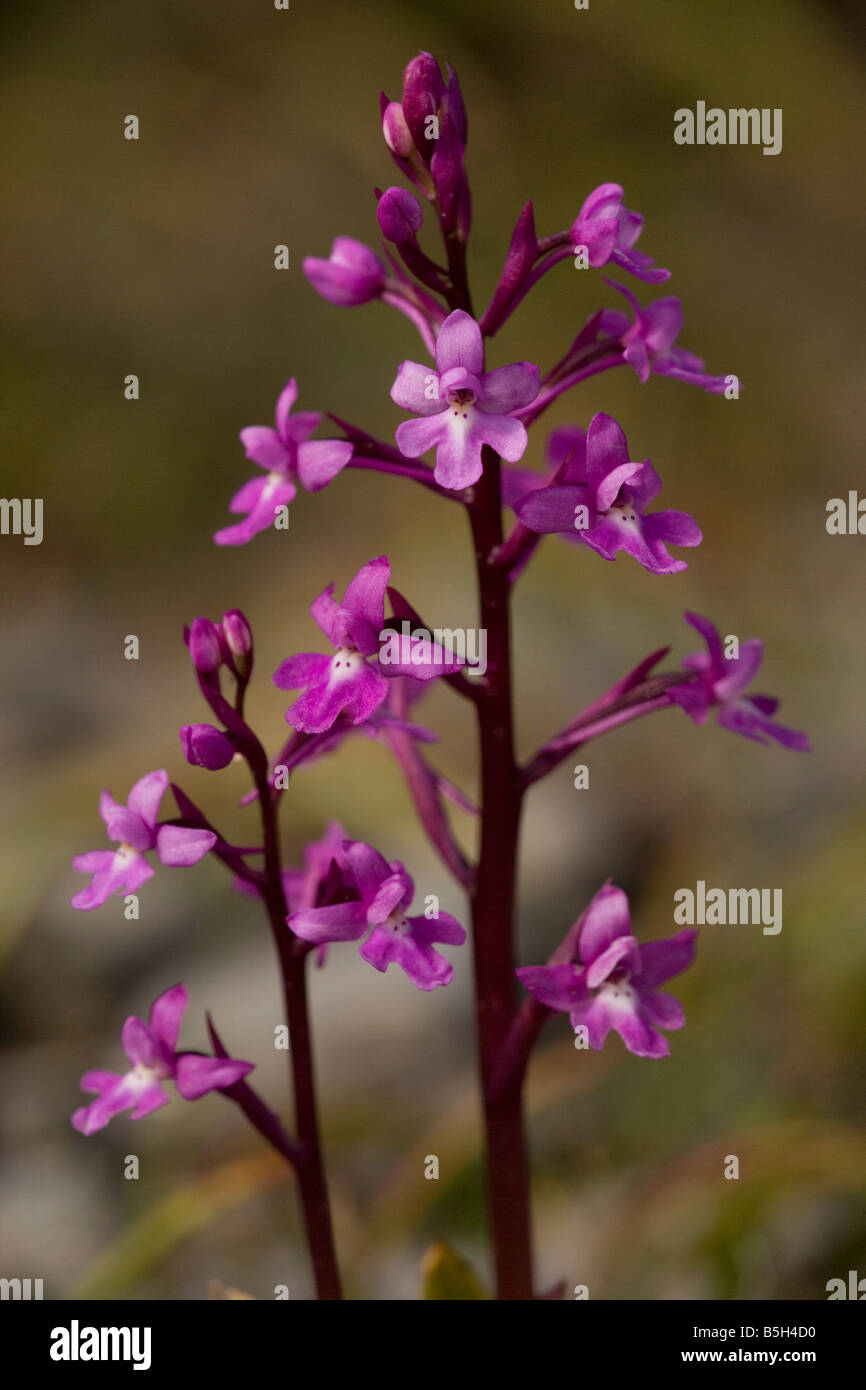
[181,846]
[264,446]
[166,1014]
[340,922]
[509,388]
[605,919]
[195,1075]
[460,344]
[661,960]
[416,389]
[320,461]
[556,986]
[301,670]
[146,796]
[285,401]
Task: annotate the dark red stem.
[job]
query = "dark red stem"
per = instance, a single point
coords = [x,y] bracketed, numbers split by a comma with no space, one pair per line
[493,906]
[292,954]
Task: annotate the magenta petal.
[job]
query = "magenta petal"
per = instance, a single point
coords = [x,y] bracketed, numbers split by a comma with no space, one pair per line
[320,705]
[661,960]
[365,596]
[568,440]
[415,437]
[663,320]
[93,860]
[424,660]
[128,827]
[637,356]
[556,986]
[195,1075]
[166,1014]
[416,389]
[146,796]
[98,1080]
[380,948]
[638,1034]
[460,344]
[509,388]
[662,1011]
[285,401]
[297,672]
[740,671]
[322,460]
[264,446]
[674,528]
[179,846]
[125,869]
[128,1092]
[391,892]
[141,1046]
[548,510]
[275,491]
[607,487]
[321,925]
[444,928]
[742,717]
[622,949]
[329,615]
[503,433]
[299,427]
[369,867]
[425,967]
[711,636]
[247,496]
[458,452]
[606,918]
[596,1017]
[606,447]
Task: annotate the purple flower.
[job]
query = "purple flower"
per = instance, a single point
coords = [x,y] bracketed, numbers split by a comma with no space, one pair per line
[604,501]
[352,274]
[288,454]
[205,746]
[615,984]
[386,893]
[134,825]
[353,680]
[721,684]
[648,342]
[151,1049]
[609,231]
[461,406]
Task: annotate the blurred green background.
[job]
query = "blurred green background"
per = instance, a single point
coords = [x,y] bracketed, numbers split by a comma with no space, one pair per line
[260,127]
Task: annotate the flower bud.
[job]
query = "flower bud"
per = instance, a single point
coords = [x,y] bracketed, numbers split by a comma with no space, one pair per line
[396,132]
[205,746]
[238,635]
[204,646]
[400,215]
[423,97]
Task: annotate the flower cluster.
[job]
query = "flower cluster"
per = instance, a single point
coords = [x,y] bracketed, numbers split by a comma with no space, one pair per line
[469,433]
